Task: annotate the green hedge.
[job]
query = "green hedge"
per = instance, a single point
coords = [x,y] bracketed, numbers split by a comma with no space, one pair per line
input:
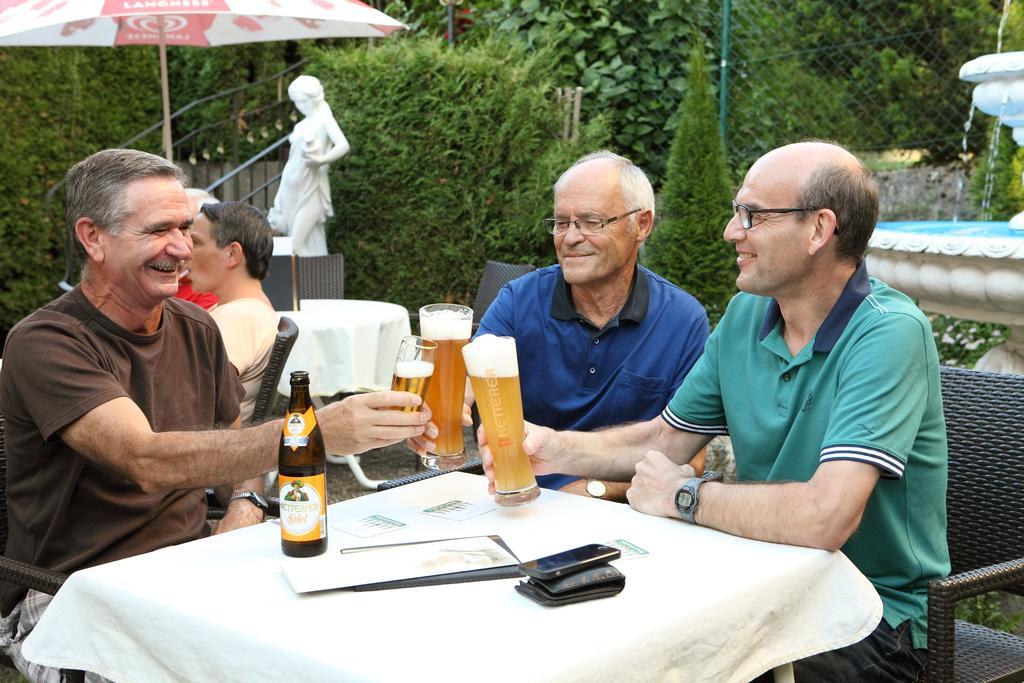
[58,106]
[453,156]
[629,57]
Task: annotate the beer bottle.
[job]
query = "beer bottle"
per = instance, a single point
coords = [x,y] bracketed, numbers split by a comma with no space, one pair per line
[302,481]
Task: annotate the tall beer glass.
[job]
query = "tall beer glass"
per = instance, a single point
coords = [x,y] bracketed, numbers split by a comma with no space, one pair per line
[414,367]
[494,373]
[451,326]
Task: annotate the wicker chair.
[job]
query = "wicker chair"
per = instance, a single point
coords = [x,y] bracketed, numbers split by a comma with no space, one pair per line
[473,467]
[495,276]
[287,333]
[14,571]
[21,573]
[984,413]
[321,277]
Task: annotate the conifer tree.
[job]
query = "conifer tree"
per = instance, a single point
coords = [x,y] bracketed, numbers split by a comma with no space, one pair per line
[686,246]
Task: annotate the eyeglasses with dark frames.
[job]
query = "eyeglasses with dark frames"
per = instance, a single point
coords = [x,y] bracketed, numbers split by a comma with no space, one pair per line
[587,226]
[746,214]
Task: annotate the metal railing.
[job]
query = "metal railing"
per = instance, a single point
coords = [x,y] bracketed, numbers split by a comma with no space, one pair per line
[247,167]
[190,141]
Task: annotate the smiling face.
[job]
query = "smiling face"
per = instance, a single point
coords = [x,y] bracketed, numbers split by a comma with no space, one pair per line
[142,262]
[592,191]
[774,254]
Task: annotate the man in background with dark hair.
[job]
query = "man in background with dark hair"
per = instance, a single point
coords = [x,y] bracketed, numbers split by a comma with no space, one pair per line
[231,247]
[196,198]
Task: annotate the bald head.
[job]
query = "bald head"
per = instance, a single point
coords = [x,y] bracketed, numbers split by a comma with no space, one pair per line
[827,176]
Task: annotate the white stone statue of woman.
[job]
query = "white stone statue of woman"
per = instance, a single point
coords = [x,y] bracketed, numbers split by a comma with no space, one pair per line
[303,201]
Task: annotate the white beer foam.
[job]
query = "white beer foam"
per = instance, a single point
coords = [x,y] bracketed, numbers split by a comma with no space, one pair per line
[414,368]
[491,356]
[444,325]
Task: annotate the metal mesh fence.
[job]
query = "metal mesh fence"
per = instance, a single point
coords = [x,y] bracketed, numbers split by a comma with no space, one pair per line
[871,74]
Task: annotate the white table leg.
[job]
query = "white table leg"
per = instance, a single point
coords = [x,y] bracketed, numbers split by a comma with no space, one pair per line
[351,460]
[357,470]
[784,673]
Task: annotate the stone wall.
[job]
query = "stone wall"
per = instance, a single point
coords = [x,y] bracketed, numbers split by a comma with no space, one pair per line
[924,193]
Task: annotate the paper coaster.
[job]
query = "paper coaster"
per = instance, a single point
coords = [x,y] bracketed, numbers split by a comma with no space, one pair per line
[373,525]
[627,549]
[460,509]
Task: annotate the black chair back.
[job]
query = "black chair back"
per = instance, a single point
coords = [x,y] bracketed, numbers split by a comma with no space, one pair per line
[3,486]
[984,419]
[495,276]
[287,333]
[321,277]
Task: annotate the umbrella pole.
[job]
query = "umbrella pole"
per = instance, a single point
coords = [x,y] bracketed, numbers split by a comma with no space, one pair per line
[165,91]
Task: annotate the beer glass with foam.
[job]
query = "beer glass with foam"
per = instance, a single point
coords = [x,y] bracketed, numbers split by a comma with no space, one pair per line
[451,326]
[414,367]
[494,373]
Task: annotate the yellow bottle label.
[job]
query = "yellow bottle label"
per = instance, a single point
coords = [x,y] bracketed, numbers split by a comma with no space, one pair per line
[298,427]
[303,507]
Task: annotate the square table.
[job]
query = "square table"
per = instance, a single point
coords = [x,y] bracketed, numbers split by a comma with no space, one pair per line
[701,605]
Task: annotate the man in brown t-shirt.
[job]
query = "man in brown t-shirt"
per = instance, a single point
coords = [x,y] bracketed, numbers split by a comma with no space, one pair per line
[115,396]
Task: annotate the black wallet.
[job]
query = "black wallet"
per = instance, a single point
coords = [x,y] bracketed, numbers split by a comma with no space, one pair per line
[602,581]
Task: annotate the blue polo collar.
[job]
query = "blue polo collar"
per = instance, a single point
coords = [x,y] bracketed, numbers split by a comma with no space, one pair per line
[635,308]
[856,290]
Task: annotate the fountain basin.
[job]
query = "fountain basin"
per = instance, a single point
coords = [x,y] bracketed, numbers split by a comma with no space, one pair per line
[972,270]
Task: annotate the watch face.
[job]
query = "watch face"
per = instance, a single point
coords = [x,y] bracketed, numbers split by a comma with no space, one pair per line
[596,488]
[684,499]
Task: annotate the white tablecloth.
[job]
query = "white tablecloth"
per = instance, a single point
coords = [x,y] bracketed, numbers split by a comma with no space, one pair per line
[346,344]
[701,606]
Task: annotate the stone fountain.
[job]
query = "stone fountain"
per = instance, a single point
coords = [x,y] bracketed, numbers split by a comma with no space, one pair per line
[971,270]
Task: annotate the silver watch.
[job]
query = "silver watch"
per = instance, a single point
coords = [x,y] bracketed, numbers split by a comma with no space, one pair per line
[687,495]
[253,497]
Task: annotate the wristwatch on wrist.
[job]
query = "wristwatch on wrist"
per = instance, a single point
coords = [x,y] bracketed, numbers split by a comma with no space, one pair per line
[687,495]
[253,497]
[596,488]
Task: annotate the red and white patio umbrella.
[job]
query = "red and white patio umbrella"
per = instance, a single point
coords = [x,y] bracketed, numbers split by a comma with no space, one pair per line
[199,23]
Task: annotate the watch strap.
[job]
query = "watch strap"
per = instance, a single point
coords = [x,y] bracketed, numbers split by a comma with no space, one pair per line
[688,495]
[253,497]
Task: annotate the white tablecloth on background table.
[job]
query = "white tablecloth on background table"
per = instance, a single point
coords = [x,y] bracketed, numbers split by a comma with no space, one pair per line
[346,344]
[702,605]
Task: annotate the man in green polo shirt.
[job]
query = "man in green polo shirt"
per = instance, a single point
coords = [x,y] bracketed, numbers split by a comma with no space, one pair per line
[828,383]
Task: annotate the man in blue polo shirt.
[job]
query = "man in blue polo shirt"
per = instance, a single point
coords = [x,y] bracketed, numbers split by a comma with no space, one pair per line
[600,339]
[828,383]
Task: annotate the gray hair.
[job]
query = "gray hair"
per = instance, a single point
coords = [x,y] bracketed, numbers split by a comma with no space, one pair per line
[95,187]
[634,185]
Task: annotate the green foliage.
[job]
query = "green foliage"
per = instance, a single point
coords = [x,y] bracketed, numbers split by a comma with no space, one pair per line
[962,342]
[985,610]
[627,55]
[871,74]
[998,176]
[210,130]
[687,246]
[60,105]
[453,157]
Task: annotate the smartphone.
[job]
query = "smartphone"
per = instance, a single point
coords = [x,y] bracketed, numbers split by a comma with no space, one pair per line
[569,561]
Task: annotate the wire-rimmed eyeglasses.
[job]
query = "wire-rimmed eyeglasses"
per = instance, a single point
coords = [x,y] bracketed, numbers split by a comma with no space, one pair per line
[586,226]
[746,214]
